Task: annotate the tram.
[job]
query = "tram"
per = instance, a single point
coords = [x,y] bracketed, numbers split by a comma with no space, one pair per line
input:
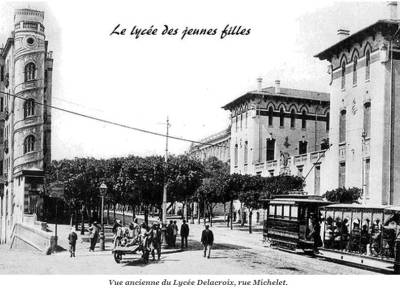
[288,220]
[355,229]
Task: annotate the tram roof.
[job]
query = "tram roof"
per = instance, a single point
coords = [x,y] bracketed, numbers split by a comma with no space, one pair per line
[298,200]
[357,206]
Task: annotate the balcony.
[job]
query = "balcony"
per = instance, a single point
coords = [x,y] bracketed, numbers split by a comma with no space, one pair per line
[317,156]
[366,148]
[271,164]
[342,152]
[300,159]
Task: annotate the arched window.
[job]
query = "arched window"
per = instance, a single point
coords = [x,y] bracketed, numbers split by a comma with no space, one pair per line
[29,108]
[303,120]
[343,74]
[30,71]
[367,120]
[29,144]
[367,64]
[292,119]
[236,154]
[281,118]
[342,126]
[270,116]
[355,60]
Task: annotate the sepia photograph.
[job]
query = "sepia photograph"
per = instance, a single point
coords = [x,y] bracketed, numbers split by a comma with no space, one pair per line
[200,138]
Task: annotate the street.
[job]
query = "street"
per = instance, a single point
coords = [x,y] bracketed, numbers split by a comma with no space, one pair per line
[234,252]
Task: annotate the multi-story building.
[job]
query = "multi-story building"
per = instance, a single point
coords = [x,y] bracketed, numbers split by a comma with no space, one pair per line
[25,121]
[365,110]
[277,130]
[216,145]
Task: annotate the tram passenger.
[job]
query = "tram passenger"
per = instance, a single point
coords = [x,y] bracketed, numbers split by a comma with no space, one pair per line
[376,236]
[337,234]
[344,245]
[355,236]
[328,237]
[365,240]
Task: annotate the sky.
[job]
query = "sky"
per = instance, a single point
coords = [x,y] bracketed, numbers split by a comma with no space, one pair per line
[140,82]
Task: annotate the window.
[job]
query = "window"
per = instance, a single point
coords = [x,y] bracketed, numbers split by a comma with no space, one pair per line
[1,104]
[300,171]
[293,211]
[281,118]
[236,155]
[29,144]
[367,119]
[317,180]
[270,116]
[245,152]
[366,178]
[1,72]
[355,70]
[292,119]
[342,174]
[29,108]
[241,121]
[303,147]
[327,121]
[343,74]
[342,126]
[236,123]
[247,115]
[303,120]
[367,64]
[270,149]
[30,71]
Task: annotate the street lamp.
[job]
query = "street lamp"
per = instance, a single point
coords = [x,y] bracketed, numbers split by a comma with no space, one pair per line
[103,190]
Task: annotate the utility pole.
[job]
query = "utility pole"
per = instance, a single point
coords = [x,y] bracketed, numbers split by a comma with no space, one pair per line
[164,203]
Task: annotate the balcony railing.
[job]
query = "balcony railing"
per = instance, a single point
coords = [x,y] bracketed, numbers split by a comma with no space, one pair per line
[300,159]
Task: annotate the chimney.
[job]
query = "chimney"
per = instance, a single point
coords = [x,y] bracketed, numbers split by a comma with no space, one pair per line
[259,84]
[392,10]
[343,33]
[277,86]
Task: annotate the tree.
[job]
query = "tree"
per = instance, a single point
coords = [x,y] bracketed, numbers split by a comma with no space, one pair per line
[343,195]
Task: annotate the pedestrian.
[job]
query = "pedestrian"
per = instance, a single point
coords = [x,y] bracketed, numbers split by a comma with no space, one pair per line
[184,234]
[117,230]
[174,233]
[72,237]
[94,236]
[156,240]
[169,234]
[207,239]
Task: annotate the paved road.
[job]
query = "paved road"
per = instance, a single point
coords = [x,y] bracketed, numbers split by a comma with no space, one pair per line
[235,252]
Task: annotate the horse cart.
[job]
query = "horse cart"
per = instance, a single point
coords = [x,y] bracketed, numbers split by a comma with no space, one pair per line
[138,248]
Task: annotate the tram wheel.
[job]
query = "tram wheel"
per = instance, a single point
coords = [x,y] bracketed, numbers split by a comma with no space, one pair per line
[117,257]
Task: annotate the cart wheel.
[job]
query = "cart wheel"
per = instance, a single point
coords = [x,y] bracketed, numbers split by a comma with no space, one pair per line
[117,257]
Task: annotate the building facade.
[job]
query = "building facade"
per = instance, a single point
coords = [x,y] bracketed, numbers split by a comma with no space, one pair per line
[216,145]
[277,130]
[25,121]
[365,112]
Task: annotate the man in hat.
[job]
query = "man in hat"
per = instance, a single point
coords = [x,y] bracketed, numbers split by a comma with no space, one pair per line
[184,234]
[207,239]
[156,240]
[94,236]
[72,237]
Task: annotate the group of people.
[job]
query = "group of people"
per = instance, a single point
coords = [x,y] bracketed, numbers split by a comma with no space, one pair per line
[172,232]
[146,238]
[364,238]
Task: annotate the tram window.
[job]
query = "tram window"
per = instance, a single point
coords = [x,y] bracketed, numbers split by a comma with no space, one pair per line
[294,211]
[278,211]
[286,211]
[271,210]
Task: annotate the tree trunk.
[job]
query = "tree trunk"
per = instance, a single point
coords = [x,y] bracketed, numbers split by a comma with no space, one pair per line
[241,215]
[114,207]
[146,215]
[83,221]
[192,213]
[210,208]
[250,220]
[231,208]
[133,213]
[123,215]
[76,218]
[198,212]
[108,213]
[204,212]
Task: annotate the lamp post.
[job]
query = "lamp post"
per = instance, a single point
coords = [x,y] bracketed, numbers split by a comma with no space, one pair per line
[103,190]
